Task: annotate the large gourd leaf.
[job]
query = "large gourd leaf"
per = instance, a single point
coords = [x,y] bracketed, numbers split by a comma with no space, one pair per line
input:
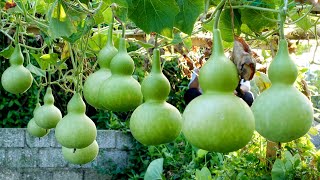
[154,15]
[154,170]
[189,12]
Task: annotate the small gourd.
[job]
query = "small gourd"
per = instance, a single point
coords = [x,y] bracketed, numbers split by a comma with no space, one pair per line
[155,121]
[76,130]
[34,129]
[16,78]
[282,112]
[94,81]
[48,115]
[121,92]
[218,120]
[81,156]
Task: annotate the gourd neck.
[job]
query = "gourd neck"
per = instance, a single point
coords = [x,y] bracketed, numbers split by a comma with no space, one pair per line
[283,48]
[156,64]
[48,98]
[76,104]
[17,57]
[217,46]
[109,40]
[122,45]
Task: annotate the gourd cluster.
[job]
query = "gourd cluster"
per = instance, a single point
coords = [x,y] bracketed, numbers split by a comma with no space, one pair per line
[215,121]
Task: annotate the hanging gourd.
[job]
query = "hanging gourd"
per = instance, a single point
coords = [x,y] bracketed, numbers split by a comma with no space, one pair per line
[282,112]
[76,130]
[16,78]
[94,81]
[218,120]
[34,129]
[121,92]
[155,121]
[81,156]
[47,116]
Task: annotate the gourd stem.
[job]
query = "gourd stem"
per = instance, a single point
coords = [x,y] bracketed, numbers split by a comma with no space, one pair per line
[156,65]
[109,41]
[282,18]
[217,17]
[156,41]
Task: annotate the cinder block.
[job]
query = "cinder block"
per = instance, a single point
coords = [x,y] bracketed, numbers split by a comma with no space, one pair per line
[8,174]
[2,157]
[12,137]
[106,139]
[84,166]
[94,175]
[68,175]
[124,141]
[51,157]
[22,157]
[36,174]
[46,141]
[112,159]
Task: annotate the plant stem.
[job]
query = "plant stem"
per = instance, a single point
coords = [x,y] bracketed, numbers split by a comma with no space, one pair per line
[221,4]
[255,8]
[303,16]
[282,18]
[217,16]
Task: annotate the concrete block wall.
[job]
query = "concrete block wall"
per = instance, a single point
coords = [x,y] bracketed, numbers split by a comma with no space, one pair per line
[24,157]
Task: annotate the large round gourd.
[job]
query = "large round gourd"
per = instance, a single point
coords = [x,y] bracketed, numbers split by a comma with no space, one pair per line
[121,92]
[81,156]
[47,116]
[155,121]
[34,129]
[218,120]
[94,81]
[16,78]
[76,130]
[282,113]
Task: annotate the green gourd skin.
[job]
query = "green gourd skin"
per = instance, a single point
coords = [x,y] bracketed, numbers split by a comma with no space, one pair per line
[121,92]
[93,83]
[218,120]
[34,129]
[81,156]
[76,130]
[155,122]
[282,112]
[219,73]
[16,78]
[47,116]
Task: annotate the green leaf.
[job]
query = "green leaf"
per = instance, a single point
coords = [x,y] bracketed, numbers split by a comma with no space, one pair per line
[201,153]
[313,130]
[60,24]
[6,53]
[154,170]
[278,171]
[189,12]
[154,15]
[35,70]
[258,20]
[51,58]
[43,64]
[305,23]
[225,25]
[204,174]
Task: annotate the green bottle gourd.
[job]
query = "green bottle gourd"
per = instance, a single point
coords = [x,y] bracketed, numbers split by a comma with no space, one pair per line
[282,113]
[47,116]
[81,156]
[76,130]
[218,120]
[16,78]
[34,129]
[94,81]
[121,92]
[155,121]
